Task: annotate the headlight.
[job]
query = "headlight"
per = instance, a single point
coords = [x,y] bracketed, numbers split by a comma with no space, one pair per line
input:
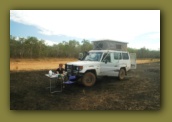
[79,68]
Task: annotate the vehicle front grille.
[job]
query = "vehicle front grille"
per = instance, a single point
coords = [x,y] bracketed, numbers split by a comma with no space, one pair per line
[71,69]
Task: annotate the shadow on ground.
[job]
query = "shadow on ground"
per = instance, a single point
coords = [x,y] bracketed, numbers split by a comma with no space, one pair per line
[140,90]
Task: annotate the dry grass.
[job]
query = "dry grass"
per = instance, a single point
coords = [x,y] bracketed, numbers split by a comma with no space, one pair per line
[51,63]
[142,61]
[37,64]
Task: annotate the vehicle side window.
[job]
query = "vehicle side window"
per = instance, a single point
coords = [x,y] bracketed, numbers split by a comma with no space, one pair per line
[125,56]
[117,56]
[106,57]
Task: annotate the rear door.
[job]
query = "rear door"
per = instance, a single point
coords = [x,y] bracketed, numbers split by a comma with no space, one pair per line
[133,60]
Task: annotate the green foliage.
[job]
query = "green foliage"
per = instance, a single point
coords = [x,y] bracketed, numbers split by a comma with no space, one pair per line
[31,47]
[145,53]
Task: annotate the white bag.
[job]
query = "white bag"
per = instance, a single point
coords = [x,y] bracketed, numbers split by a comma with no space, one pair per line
[50,73]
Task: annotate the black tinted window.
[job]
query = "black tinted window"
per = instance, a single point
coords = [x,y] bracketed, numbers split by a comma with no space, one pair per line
[125,56]
[106,57]
[117,56]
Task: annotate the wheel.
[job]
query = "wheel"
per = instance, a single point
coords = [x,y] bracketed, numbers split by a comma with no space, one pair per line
[88,79]
[121,74]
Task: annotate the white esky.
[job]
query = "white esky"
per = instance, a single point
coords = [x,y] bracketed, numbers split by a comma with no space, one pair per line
[140,28]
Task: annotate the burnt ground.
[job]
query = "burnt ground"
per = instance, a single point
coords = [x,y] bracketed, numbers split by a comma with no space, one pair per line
[140,90]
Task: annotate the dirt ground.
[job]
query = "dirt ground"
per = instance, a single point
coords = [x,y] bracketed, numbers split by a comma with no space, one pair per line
[140,90]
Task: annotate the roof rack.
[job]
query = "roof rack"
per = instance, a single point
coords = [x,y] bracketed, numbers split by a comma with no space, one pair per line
[109,45]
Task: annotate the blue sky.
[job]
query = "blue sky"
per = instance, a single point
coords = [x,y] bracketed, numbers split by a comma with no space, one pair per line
[23,30]
[140,28]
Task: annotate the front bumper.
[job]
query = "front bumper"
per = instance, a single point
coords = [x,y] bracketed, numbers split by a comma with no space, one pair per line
[77,74]
[73,71]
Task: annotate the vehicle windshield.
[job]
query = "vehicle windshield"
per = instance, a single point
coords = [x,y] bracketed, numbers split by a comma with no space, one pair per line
[93,56]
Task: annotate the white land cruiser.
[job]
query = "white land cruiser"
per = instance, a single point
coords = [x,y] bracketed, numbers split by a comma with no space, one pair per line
[101,63]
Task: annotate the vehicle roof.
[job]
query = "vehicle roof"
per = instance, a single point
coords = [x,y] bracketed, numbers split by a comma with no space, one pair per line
[108,40]
[106,51]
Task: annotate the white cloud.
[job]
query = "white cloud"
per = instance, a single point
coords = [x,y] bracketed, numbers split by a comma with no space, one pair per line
[146,44]
[147,40]
[155,36]
[50,43]
[122,25]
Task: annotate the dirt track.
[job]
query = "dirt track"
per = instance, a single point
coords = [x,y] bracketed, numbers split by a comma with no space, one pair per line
[140,90]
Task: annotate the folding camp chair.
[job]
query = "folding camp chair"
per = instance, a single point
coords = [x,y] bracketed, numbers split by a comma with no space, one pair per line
[69,80]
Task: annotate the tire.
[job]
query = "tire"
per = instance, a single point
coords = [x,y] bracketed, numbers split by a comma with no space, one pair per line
[88,79]
[121,75]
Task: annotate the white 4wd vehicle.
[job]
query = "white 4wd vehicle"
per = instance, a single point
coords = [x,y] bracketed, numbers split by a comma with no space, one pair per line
[101,63]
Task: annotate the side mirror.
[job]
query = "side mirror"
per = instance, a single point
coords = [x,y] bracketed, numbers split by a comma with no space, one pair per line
[81,56]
